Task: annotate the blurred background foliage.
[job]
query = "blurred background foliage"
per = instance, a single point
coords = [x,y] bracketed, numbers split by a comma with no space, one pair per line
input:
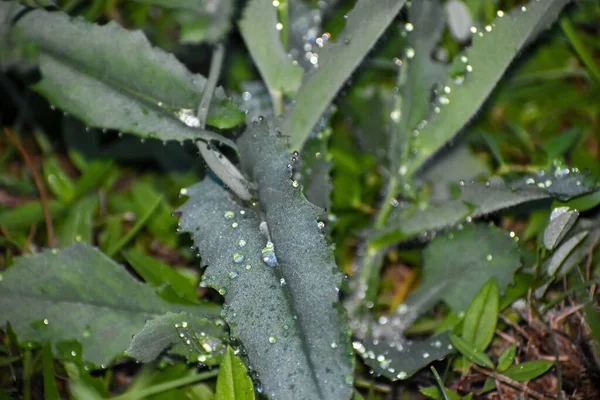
[119,193]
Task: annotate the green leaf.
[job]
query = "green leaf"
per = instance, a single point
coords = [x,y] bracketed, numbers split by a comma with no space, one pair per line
[50,389]
[79,294]
[336,62]
[485,62]
[201,21]
[419,73]
[172,284]
[78,224]
[200,340]
[144,90]
[281,299]
[479,325]
[477,200]
[470,352]
[593,319]
[433,392]
[457,264]
[528,370]
[58,181]
[29,213]
[561,221]
[399,359]
[233,382]
[507,358]
[257,27]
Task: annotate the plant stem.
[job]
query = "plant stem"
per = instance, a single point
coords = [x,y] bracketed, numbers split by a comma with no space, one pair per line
[27,371]
[39,183]
[580,48]
[163,387]
[440,383]
[209,88]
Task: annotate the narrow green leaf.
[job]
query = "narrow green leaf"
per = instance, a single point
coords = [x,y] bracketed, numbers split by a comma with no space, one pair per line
[419,73]
[484,64]
[457,264]
[291,327]
[144,90]
[479,324]
[30,213]
[507,358]
[79,294]
[528,370]
[336,62]
[257,27]
[470,352]
[159,274]
[59,183]
[593,319]
[201,21]
[433,392]
[50,389]
[561,221]
[233,382]
[162,224]
[78,224]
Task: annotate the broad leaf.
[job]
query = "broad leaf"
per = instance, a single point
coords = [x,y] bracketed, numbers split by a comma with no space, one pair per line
[262,39]
[200,20]
[233,382]
[457,264]
[280,298]
[142,89]
[399,359]
[485,62]
[79,294]
[477,200]
[561,220]
[193,338]
[365,23]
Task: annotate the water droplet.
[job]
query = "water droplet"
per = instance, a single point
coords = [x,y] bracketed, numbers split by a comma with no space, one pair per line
[401,375]
[248,267]
[321,224]
[222,291]
[242,243]
[473,29]
[234,224]
[238,257]
[410,52]
[229,214]
[397,61]
[268,254]
[74,353]
[279,26]
[233,275]
[500,13]
[295,183]
[489,257]
[464,59]
[469,68]
[425,355]
[202,358]
[395,116]
[183,192]
[488,28]
[272,339]
[282,281]
[409,27]
[246,96]
[523,8]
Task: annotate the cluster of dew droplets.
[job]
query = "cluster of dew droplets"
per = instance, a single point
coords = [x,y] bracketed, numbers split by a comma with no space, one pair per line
[202,345]
[305,25]
[290,169]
